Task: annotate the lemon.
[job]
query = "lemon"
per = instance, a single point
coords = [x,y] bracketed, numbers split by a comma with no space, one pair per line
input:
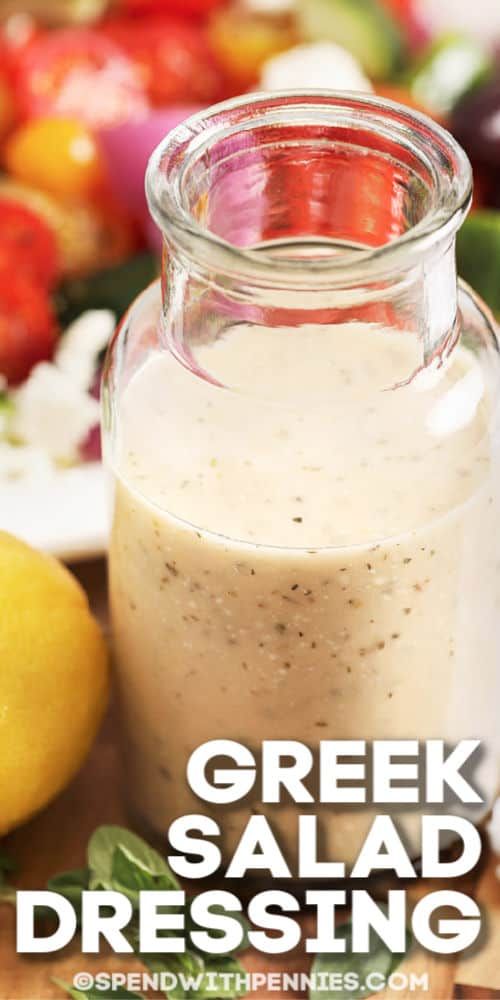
[53,679]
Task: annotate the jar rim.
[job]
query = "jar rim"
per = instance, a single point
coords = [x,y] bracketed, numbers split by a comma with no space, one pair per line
[432,144]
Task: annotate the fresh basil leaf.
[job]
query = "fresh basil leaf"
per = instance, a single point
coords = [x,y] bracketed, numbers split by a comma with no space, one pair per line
[71,885]
[188,964]
[397,959]
[215,986]
[101,850]
[235,914]
[94,994]
[128,871]
[379,960]
[131,878]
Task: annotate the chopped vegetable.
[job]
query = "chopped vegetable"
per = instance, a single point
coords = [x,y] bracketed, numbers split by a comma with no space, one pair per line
[58,155]
[361,26]
[28,327]
[478,255]
[449,69]
[319,64]
[243,40]
[411,19]
[171,58]
[89,236]
[78,73]
[55,412]
[27,243]
[126,150]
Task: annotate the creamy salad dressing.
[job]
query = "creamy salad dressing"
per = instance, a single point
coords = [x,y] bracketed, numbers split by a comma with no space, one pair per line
[295,555]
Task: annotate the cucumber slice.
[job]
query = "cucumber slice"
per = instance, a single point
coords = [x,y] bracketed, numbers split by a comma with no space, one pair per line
[114,288]
[451,67]
[478,255]
[361,26]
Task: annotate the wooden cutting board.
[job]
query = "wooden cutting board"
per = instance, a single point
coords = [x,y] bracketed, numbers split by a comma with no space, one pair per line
[55,841]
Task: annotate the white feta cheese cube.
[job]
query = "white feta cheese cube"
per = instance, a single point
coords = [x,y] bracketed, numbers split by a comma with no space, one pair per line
[316,65]
[81,344]
[53,413]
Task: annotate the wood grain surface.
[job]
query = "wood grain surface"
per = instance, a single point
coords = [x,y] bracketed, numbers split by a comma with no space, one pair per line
[55,841]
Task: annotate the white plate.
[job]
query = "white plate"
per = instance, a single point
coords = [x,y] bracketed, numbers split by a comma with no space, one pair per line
[65,514]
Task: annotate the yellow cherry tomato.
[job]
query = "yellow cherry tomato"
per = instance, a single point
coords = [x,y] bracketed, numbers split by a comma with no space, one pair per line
[57,155]
[242,41]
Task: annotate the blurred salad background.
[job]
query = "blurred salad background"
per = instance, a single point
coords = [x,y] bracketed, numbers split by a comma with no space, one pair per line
[87,89]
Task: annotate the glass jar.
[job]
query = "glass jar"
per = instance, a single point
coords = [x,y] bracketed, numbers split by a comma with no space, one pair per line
[302,426]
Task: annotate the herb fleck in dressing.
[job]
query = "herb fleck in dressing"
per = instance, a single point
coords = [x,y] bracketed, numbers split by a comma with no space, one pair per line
[359,616]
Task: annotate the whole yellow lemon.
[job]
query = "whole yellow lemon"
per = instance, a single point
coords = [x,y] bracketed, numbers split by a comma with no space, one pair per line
[53,679]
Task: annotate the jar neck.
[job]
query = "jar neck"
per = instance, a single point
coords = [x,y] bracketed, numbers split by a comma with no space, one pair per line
[198,305]
[319,208]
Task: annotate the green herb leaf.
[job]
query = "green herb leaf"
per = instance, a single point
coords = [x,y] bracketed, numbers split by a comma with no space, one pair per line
[71,885]
[235,914]
[379,960]
[120,860]
[188,964]
[133,852]
[94,994]
[130,876]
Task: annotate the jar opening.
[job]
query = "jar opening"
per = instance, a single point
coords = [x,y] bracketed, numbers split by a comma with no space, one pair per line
[256,184]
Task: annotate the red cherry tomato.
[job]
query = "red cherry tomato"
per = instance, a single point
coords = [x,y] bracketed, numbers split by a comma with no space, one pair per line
[28,328]
[186,8]
[28,242]
[171,57]
[78,73]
